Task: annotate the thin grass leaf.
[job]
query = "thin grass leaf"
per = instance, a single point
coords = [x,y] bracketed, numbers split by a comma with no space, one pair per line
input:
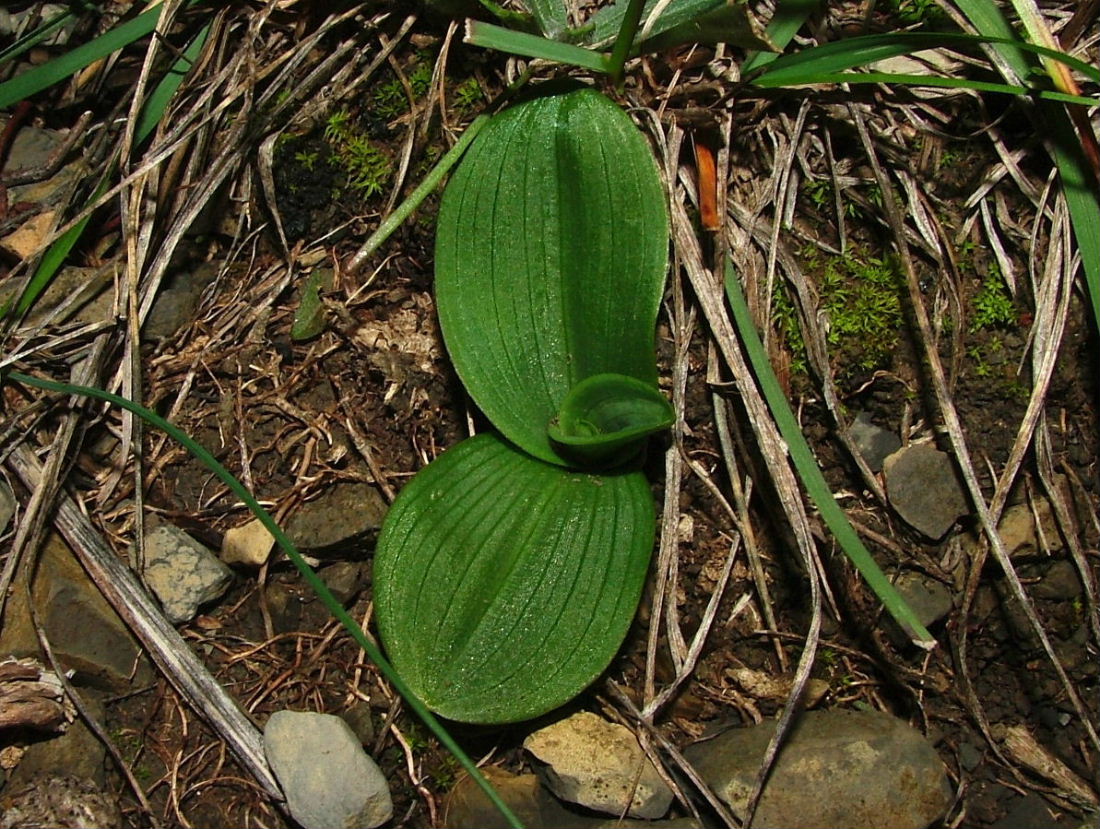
[989,21]
[416,198]
[489,36]
[29,40]
[608,21]
[789,17]
[624,39]
[838,56]
[156,104]
[942,83]
[53,259]
[1078,179]
[311,578]
[151,114]
[810,472]
[731,24]
[64,66]
[1079,188]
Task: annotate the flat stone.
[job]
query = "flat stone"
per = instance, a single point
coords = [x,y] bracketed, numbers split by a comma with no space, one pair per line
[924,489]
[182,573]
[929,599]
[360,718]
[586,760]
[177,301]
[1060,582]
[344,579]
[86,293]
[7,505]
[1022,535]
[77,752]
[336,522]
[86,634]
[466,806]
[249,544]
[838,769]
[328,780]
[873,442]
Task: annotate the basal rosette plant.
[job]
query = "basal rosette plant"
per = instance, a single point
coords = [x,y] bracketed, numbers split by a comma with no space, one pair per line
[510,568]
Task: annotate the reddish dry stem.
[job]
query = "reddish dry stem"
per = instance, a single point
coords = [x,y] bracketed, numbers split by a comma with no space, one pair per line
[708,187]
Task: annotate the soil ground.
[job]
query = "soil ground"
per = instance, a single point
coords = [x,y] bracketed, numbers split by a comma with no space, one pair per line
[372,397]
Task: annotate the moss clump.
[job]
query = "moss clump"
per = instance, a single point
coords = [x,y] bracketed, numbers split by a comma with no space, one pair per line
[367,168]
[861,296]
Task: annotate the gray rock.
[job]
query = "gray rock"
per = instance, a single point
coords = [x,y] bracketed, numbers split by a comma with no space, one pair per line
[587,760]
[284,607]
[344,579]
[328,780]
[970,756]
[360,719]
[873,442]
[1032,812]
[929,599]
[467,807]
[7,505]
[182,573]
[1059,583]
[77,753]
[176,302]
[86,634]
[924,489]
[336,521]
[1020,534]
[86,294]
[843,769]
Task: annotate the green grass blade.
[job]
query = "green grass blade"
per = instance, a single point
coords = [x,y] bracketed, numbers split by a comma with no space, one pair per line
[156,104]
[608,21]
[1078,179]
[151,114]
[624,39]
[31,39]
[489,36]
[989,21]
[41,77]
[416,198]
[284,542]
[943,83]
[789,17]
[53,259]
[809,64]
[1082,199]
[810,472]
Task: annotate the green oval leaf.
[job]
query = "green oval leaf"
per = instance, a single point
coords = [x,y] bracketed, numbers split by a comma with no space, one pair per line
[551,253]
[504,585]
[607,417]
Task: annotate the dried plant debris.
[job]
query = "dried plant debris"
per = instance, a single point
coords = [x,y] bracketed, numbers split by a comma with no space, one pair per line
[912,271]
